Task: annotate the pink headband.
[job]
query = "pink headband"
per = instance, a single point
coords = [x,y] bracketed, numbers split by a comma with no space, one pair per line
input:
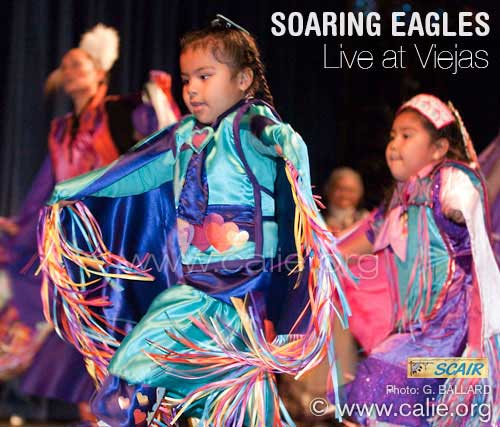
[432,108]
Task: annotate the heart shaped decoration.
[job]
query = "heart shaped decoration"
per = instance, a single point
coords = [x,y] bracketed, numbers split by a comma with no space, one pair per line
[139,416]
[224,243]
[216,237]
[223,235]
[213,227]
[142,399]
[123,402]
[199,137]
[185,234]
[213,218]
[238,238]
[200,239]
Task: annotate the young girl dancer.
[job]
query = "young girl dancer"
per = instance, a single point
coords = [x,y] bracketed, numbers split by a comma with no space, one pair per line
[216,183]
[437,280]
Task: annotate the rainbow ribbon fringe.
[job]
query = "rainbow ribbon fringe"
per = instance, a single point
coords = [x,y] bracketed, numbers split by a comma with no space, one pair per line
[70,306]
[240,398]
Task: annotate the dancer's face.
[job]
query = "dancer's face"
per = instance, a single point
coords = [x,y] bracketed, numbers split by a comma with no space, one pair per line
[80,74]
[410,147]
[209,86]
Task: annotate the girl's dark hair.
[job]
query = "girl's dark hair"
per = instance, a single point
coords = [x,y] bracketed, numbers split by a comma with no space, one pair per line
[235,48]
[451,132]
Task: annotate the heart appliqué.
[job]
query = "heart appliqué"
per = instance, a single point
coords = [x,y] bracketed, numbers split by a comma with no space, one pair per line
[139,416]
[217,233]
[223,235]
[200,137]
[123,402]
[142,399]
[200,239]
[238,238]
[185,234]
[214,232]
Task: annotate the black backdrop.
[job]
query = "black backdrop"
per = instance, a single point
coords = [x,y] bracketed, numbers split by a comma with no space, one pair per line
[343,115]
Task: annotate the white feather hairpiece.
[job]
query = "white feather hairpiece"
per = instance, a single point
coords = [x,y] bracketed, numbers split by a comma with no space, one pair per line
[102,44]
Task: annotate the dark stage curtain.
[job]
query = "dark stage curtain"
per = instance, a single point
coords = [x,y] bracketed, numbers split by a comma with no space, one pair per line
[342,115]
[39,32]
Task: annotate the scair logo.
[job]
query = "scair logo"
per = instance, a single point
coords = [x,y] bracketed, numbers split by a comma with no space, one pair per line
[441,367]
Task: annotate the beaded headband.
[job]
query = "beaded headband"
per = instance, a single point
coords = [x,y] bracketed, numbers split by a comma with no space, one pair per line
[441,115]
[432,108]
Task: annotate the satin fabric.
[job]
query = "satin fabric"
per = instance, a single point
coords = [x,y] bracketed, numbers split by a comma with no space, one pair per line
[193,200]
[78,144]
[443,336]
[140,227]
[171,313]
[75,146]
[120,404]
[153,163]
[439,260]
[241,188]
[146,166]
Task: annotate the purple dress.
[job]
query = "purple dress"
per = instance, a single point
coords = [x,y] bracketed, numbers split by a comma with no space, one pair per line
[34,347]
[421,304]
[52,367]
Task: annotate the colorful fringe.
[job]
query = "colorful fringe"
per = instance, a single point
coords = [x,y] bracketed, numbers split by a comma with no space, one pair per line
[472,401]
[163,416]
[238,399]
[246,373]
[70,306]
[417,306]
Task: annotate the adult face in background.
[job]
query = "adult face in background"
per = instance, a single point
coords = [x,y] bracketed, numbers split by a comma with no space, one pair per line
[80,75]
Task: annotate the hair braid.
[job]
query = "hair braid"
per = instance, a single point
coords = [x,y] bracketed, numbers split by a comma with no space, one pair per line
[263,87]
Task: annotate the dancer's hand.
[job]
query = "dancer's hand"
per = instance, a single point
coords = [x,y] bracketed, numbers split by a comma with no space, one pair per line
[161,78]
[454,214]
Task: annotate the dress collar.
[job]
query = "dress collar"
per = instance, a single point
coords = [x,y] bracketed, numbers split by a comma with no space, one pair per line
[203,133]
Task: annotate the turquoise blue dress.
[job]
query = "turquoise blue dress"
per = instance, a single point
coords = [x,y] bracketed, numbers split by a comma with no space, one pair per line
[234,199]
